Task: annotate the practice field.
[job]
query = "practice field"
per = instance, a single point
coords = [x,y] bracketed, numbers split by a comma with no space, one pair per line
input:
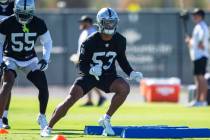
[24,112]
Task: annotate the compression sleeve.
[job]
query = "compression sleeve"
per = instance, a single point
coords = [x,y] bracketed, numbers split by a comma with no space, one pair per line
[46,41]
[2,40]
[122,59]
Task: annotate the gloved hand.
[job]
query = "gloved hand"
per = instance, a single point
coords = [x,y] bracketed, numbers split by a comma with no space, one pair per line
[3,67]
[96,71]
[43,65]
[136,76]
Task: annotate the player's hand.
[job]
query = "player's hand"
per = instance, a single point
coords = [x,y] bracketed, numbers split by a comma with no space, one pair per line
[96,71]
[43,65]
[74,58]
[137,76]
[3,66]
[188,40]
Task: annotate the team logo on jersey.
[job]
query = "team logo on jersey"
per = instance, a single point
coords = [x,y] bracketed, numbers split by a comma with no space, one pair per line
[107,45]
[25,29]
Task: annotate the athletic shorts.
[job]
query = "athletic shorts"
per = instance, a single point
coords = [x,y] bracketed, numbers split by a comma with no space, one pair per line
[23,66]
[89,82]
[200,66]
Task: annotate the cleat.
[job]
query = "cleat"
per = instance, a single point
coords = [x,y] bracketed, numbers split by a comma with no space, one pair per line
[5,123]
[105,123]
[197,104]
[42,121]
[46,132]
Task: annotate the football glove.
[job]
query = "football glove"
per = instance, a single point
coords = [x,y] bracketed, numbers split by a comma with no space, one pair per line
[3,67]
[137,76]
[43,65]
[96,71]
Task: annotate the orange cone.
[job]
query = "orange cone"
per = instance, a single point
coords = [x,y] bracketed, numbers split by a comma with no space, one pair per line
[59,137]
[3,131]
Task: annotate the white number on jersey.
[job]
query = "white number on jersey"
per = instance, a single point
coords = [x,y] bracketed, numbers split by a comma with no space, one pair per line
[19,45]
[97,61]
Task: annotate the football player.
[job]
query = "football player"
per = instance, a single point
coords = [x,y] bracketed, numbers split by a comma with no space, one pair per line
[6,9]
[19,32]
[97,68]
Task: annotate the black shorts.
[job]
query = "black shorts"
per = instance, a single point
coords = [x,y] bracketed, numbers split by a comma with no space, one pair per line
[200,66]
[89,82]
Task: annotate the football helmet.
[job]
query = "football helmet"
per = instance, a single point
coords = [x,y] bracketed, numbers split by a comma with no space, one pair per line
[24,10]
[4,2]
[107,20]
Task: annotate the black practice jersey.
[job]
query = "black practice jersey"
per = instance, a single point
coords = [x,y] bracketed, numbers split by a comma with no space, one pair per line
[20,39]
[95,51]
[7,10]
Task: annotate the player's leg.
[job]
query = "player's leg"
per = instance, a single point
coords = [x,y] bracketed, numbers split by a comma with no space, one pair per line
[89,101]
[5,114]
[200,81]
[121,89]
[76,92]
[81,86]
[102,99]
[8,81]
[39,80]
[202,88]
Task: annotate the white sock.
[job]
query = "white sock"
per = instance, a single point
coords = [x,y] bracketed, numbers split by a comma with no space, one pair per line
[43,115]
[5,114]
[106,116]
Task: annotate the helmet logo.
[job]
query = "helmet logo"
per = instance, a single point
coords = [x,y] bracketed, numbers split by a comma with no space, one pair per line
[25,29]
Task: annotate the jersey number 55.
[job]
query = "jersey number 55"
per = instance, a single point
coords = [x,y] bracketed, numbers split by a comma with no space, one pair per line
[23,41]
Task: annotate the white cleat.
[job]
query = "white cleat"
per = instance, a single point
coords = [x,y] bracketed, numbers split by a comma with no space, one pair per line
[105,123]
[197,104]
[42,121]
[46,132]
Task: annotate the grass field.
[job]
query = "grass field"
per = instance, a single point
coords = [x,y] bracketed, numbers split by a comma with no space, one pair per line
[24,112]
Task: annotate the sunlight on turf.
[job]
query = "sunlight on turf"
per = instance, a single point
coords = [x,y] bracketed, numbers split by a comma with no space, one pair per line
[24,111]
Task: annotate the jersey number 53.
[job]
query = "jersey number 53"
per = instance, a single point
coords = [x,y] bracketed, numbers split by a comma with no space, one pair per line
[23,41]
[97,61]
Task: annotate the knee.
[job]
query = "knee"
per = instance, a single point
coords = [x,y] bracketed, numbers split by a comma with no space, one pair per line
[76,93]
[123,89]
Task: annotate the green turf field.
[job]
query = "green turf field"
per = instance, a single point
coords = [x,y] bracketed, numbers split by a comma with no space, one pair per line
[24,112]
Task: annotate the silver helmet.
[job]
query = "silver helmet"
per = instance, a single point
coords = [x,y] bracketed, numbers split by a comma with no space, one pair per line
[24,10]
[4,2]
[107,20]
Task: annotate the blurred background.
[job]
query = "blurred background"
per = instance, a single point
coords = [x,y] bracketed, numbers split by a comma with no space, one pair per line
[122,5]
[153,28]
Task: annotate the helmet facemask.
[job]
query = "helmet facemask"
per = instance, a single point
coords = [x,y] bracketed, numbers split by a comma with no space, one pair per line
[24,16]
[4,2]
[108,26]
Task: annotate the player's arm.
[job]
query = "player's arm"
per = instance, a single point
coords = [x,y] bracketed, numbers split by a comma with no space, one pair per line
[84,58]
[2,41]
[125,65]
[46,42]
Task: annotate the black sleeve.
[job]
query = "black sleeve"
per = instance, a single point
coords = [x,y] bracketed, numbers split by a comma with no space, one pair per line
[85,59]
[122,59]
[3,28]
[43,27]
